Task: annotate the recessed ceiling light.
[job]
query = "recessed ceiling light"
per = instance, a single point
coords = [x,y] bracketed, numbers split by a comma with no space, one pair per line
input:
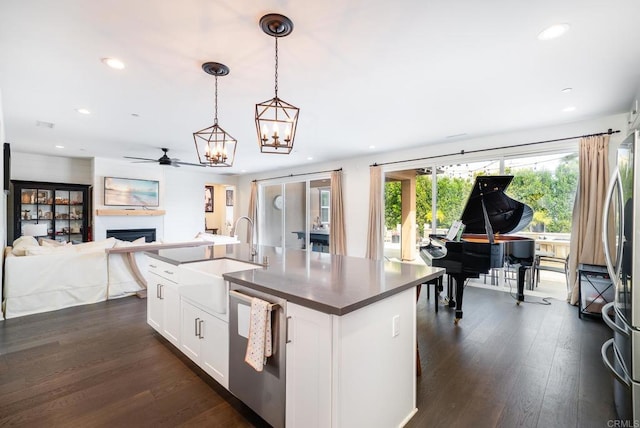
[372,147]
[243,170]
[553,32]
[309,157]
[59,147]
[114,63]
[568,109]
[566,90]
[83,111]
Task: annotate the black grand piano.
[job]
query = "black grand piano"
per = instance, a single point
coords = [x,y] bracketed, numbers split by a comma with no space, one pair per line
[488,215]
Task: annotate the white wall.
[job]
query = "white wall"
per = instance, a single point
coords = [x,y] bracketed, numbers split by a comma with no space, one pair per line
[115,168]
[52,169]
[185,200]
[356,170]
[181,196]
[181,191]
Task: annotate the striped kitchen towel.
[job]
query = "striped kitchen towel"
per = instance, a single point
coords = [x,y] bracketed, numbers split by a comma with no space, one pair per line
[259,342]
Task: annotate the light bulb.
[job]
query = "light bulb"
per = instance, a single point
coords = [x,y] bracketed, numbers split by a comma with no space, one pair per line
[275,130]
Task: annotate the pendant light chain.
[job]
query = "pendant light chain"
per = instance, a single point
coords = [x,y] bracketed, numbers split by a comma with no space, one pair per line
[276,76]
[215,118]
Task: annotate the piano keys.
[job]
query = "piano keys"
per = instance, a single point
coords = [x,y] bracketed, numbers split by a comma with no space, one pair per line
[488,216]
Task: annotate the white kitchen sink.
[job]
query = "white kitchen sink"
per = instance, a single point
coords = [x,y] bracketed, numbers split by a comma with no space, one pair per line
[202,282]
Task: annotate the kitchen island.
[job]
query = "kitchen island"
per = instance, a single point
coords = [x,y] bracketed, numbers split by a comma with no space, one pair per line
[344,334]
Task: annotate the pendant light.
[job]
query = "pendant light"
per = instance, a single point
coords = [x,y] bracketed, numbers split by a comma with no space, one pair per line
[276,120]
[215,147]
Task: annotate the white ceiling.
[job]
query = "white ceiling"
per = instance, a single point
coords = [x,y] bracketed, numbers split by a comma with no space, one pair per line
[393,74]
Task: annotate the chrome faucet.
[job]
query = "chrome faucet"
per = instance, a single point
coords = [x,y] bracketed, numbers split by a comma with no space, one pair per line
[235,231]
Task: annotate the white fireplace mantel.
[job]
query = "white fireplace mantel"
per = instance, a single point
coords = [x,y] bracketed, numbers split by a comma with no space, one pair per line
[108,212]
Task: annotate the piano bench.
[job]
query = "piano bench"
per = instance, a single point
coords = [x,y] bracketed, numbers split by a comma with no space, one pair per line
[437,283]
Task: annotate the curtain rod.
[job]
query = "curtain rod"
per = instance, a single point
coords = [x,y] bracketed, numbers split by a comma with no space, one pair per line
[462,152]
[297,175]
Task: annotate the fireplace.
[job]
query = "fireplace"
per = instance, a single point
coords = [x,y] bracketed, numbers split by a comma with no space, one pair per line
[149,235]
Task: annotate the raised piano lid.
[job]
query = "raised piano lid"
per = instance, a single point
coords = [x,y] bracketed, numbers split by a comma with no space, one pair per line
[506,215]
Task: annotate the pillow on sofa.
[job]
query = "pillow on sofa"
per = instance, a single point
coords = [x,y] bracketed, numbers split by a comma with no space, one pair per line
[21,244]
[121,244]
[45,250]
[46,242]
[101,245]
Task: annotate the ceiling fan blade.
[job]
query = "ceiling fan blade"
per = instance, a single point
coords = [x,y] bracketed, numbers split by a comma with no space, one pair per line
[190,164]
[142,159]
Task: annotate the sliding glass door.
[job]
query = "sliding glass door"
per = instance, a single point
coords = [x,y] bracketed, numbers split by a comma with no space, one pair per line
[295,214]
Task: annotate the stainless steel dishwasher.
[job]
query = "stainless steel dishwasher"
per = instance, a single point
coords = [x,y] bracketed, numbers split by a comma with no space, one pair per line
[264,392]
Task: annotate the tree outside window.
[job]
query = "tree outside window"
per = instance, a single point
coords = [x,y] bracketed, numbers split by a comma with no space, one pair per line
[547,183]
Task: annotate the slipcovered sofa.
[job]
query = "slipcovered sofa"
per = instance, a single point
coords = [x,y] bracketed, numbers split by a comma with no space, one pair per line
[41,278]
[45,275]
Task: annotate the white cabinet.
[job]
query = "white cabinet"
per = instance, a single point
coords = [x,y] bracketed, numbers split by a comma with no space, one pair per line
[155,305]
[205,339]
[308,367]
[189,308]
[163,300]
[357,369]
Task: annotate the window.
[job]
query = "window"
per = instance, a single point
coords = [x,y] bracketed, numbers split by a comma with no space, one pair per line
[546,182]
[325,206]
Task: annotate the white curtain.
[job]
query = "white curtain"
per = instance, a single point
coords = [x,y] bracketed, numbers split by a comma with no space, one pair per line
[337,242]
[376,215]
[586,227]
[252,212]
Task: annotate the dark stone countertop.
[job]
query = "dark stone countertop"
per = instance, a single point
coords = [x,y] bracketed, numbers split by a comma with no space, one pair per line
[324,282]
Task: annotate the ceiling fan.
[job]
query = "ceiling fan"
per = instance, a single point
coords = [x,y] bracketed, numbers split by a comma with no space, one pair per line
[165,160]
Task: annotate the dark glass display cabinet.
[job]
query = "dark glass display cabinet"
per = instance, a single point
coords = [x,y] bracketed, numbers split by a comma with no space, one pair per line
[64,208]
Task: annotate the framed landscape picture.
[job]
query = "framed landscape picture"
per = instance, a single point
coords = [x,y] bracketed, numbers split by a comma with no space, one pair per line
[131,192]
[208,199]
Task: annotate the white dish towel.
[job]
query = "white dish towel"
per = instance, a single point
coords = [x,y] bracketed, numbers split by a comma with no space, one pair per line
[259,341]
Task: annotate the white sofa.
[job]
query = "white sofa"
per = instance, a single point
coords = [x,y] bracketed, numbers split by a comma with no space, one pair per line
[46,278]
[50,276]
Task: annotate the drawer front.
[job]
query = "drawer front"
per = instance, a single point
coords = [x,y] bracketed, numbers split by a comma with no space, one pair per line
[163,269]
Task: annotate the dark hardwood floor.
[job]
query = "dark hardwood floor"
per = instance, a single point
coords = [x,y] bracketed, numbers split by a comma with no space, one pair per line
[503,366]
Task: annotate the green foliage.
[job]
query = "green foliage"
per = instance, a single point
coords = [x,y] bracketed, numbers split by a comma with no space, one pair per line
[549,194]
[392,204]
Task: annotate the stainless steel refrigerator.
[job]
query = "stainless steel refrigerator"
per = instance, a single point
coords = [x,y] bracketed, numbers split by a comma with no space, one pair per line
[621,236]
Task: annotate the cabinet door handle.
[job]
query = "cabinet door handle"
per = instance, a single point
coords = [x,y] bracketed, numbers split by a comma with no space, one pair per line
[200,329]
[159,291]
[196,324]
[286,333]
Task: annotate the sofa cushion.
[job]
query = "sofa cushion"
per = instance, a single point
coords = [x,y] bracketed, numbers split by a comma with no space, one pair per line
[46,242]
[21,244]
[43,250]
[87,247]
[121,244]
